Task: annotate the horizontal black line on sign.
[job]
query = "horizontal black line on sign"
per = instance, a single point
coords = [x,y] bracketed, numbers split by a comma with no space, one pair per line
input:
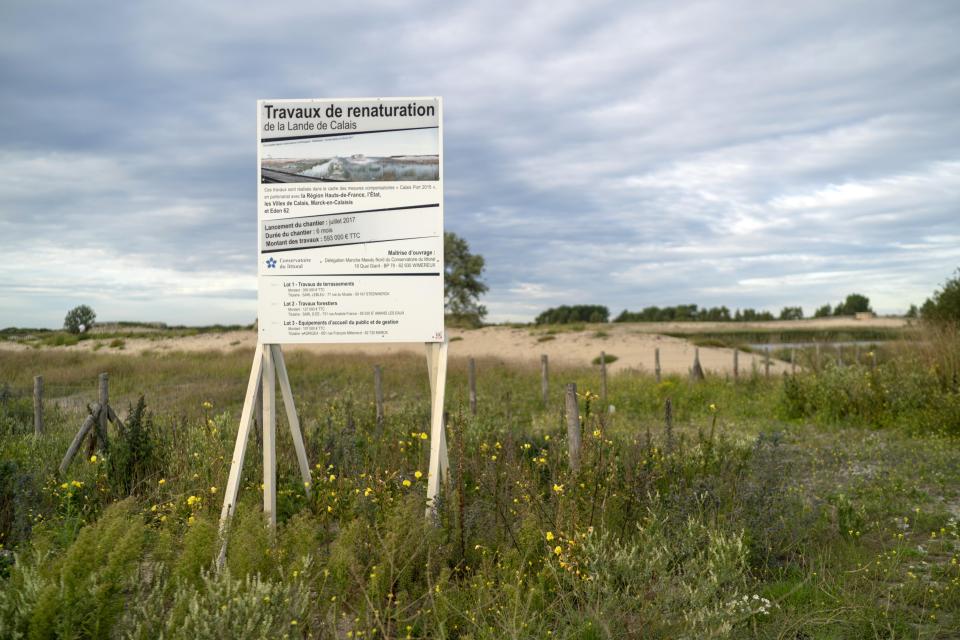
[347,213]
[341,244]
[338,135]
[346,275]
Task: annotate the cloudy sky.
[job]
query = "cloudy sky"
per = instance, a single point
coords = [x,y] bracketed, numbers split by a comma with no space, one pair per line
[621,153]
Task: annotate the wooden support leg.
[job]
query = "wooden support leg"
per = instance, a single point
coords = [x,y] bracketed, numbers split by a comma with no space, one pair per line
[269,438]
[239,450]
[292,418]
[432,355]
[438,376]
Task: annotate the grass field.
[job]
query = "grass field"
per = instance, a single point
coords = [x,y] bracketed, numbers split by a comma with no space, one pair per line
[822,505]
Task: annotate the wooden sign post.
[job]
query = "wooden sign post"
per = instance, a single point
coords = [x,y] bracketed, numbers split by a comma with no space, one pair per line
[335,269]
[269,368]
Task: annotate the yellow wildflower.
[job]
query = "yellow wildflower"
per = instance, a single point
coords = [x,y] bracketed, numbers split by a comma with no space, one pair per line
[417,474]
[549,536]
[406,483]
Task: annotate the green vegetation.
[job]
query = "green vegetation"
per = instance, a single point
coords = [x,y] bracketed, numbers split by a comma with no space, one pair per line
[608,358]
[820,505]
[944,305]
[791,313]
[79,319]
[692,313]
[461,283]
[573,314]
[854,303]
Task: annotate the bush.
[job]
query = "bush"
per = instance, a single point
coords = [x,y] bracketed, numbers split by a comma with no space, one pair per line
[944,306]
[79,319]
[577,313]
[82,594]
[855,303]
[134,456]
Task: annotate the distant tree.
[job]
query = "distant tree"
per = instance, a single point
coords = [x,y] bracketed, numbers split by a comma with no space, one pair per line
[79,319]
[752,315]
[855,303]
[577,313]
[791,313]
[944,306]
[823,312]
[461,280]
[913,311]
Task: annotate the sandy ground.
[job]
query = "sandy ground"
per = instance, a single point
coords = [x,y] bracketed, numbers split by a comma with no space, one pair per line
[633,344]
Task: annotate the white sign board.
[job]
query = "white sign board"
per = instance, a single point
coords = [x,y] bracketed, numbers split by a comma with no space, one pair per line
[350,220]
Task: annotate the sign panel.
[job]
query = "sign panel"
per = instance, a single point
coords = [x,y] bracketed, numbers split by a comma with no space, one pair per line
[350,220]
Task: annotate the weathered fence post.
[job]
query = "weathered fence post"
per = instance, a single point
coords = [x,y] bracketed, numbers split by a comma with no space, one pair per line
[656,362]
[38,405]
[98,439]
[472,379]
[378,392]
[766,362]
[696,372]
[603,378]
[573,426]
[793,360]
[736,364]
[544,378]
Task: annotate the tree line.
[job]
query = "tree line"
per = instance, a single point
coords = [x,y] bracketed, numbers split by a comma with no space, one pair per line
[566,314]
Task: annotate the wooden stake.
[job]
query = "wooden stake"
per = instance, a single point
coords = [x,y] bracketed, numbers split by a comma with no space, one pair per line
[544,378]
[603,379]
[239,451]
[696,372]
[573,426]
[432,376]
[793,360]
[38,405]
[85,428]
[472,379]
[98,439]
[292,419]
[656,363]
[269,439]
[378,392]
[736,364]
[766,362]
[439,467]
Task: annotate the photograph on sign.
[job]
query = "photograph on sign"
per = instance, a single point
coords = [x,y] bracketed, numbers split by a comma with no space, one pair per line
[388,156]
[350,220]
